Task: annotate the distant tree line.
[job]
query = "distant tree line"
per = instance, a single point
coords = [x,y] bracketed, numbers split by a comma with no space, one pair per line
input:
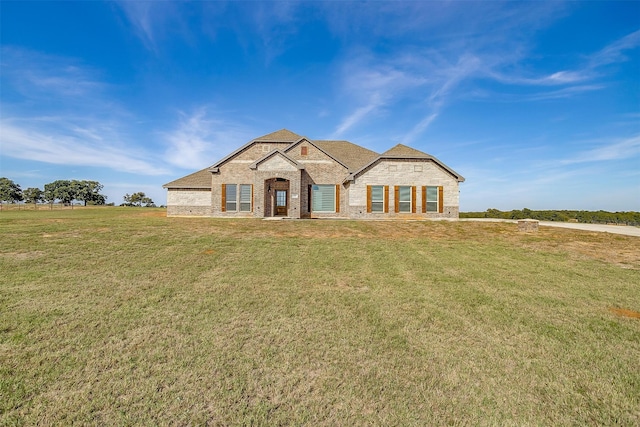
[589,217]
[62,191]
[66,192]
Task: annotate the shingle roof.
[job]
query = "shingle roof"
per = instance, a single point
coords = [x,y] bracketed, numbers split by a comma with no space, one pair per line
[351,155]
[404,151]
[200,179]
[282,135]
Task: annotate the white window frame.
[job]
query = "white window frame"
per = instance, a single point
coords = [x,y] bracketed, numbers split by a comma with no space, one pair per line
[402,202]
[377,206]
[432,201]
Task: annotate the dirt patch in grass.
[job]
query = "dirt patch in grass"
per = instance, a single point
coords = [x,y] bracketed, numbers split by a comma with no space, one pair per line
[623,312]
[23,256]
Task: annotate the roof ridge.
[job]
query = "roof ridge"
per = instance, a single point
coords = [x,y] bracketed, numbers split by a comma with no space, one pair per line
[402,150]
[282,135]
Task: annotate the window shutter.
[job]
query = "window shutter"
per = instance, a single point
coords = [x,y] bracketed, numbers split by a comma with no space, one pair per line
[224,198]
[440,199]
[396,198]
[251,197]
[386,199]
[338,198]
[413,199]
[424,199]
[368,199]
[309,198]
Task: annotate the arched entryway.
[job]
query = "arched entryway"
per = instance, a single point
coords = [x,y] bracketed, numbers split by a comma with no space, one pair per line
[276,197]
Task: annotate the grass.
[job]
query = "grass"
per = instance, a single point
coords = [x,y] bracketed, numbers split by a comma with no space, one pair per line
[123,316]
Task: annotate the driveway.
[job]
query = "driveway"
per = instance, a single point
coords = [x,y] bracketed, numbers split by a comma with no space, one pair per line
[626,230]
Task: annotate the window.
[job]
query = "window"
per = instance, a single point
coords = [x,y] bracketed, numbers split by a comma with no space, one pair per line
[323,198]
[404,200]
[432,199]
[304,150]
[231,201]
[377,198]
[245,197]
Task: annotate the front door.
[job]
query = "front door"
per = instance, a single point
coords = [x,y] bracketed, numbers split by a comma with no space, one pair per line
[281,202]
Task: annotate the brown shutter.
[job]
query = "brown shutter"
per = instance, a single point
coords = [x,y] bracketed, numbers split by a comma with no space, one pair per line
[251,197]
[224,198]
[386,199]
[338,198]
[440,199]
[309,198]
[424,199]
[396,198]
[413,199]
[368,199]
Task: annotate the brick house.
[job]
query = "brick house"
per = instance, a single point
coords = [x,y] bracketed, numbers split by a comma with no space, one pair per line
[288,175]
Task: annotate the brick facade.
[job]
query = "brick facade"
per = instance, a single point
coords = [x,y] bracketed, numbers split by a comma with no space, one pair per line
[283,161]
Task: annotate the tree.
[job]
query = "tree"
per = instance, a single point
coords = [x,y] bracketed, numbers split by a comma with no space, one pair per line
[9,191]
[88,191]
[138,199]
[33,195]
[61,190]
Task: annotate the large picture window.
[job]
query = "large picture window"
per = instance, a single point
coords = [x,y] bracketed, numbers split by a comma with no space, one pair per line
[245,197]
[323,198]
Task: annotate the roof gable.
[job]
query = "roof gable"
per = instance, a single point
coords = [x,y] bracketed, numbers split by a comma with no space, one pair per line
[401,150]
[282,135]
[271,156]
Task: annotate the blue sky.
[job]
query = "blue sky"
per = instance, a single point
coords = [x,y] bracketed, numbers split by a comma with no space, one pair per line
[536,104]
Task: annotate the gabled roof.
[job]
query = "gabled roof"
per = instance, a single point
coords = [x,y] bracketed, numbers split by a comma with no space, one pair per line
[273,153]
[282,135]
[200,179]
[403,152]
[351,155]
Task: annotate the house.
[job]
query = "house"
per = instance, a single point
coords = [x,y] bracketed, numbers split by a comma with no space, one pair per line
[283,174]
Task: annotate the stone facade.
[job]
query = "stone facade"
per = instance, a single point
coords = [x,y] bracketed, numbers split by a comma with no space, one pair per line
[410,172]
[286,164]
[189,202]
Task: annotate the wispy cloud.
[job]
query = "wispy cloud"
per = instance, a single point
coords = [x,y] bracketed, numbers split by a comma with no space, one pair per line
[200,137]
[35,75]
[42,141]
[614,52]
[435,78]
[60,113]
[151,19]
[619,149]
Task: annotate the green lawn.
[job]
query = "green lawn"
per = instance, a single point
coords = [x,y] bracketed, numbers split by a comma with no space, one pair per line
[123,316]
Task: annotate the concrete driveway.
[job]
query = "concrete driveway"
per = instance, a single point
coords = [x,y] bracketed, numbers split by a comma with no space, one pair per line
[614,229]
